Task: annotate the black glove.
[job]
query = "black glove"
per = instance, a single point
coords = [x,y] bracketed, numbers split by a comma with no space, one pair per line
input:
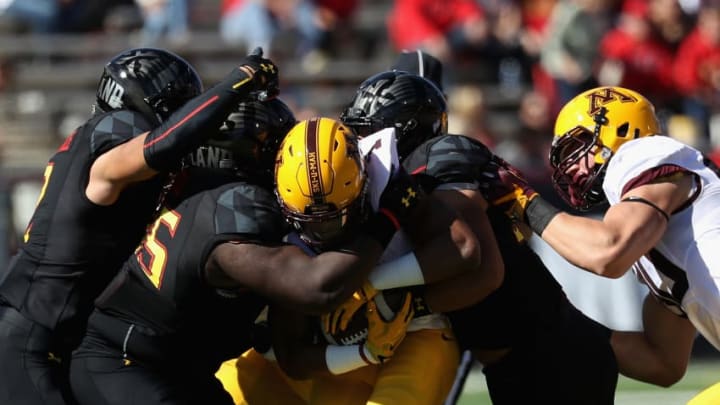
[508,188]
[264,75]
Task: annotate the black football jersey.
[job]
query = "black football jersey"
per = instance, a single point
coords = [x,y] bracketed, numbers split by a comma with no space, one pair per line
[72,247]
[162,286]
[529,294]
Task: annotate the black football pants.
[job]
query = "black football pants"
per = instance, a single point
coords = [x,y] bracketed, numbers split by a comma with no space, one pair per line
[100,376]
[565,363]
[29,375]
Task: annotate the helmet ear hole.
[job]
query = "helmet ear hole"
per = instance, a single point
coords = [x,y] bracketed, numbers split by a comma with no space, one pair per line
[622,130]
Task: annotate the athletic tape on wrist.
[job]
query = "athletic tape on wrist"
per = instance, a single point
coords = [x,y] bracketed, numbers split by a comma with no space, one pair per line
[403,271]
[539,213]
[343,359]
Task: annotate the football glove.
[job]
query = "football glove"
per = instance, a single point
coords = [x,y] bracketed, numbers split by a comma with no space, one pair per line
[508,189]
[338,319]
[384,337]
[263,74]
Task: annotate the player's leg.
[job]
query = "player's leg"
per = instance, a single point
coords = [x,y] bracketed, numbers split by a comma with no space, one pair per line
[708,396]
[252,379]
[352,388]
[421,372]
[29,375]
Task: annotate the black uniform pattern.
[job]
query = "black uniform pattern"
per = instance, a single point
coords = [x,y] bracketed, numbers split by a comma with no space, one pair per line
[72,246]
[160,313]
[558,355]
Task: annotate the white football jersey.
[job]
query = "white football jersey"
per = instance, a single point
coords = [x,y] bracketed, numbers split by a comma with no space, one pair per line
[683,269]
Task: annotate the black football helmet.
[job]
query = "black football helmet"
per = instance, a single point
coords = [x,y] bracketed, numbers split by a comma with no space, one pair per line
[249,139]
[411,104]
[153,82]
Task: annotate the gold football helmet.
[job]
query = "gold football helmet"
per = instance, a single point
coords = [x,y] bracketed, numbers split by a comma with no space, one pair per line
[320,179]
[599,120]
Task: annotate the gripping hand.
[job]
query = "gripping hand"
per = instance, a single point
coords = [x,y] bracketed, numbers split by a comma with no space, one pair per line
[384,337]
[509,189]
[263,74]
[338,319]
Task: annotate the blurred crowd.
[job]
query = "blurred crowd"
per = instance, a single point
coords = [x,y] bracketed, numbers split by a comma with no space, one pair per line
[535,53]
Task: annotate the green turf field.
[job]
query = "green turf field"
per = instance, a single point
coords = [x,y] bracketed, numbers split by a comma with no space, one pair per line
[700,375]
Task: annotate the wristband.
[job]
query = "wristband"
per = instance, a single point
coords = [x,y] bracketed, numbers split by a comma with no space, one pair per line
[539,213]
[403,271]
[343,359]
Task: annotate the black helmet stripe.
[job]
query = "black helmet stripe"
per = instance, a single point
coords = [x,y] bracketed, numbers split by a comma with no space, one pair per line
[311,162]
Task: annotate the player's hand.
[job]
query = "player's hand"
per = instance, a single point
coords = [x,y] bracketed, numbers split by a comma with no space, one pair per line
[263,73]
[508,189]
[384,337]
[338,319]
[401,195]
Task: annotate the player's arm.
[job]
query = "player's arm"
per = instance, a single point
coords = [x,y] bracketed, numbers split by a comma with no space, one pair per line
[161,149]
[628,230]
[292,337]
[286,274]
[468,281]
[660,353]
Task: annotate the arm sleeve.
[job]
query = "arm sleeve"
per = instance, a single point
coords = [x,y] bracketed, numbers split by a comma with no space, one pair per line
[196,121]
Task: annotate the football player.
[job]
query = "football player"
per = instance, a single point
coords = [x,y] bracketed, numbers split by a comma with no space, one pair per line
[101,189]
[352,371]
[661,222]
[535,346]
[187,298]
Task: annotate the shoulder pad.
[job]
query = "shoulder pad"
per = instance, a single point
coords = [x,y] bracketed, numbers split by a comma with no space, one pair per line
[449,159]
[115,127]
[251,210]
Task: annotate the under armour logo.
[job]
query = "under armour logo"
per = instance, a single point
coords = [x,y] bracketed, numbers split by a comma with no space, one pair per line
[411,194]
[267,67]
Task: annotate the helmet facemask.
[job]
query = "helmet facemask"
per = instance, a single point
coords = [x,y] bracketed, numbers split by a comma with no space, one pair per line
[324,226]
[570,149]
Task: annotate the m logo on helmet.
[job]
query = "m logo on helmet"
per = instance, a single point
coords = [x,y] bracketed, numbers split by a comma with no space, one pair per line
[111,92]
[606,95]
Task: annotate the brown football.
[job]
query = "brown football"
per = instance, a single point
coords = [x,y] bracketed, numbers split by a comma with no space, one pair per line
[388,302]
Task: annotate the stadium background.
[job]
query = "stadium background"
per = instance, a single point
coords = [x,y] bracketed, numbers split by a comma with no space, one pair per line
[504,98]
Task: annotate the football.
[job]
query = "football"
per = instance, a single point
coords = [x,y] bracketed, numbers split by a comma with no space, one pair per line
[388,302]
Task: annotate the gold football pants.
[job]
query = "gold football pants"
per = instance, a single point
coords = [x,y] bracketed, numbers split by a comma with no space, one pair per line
[421,372]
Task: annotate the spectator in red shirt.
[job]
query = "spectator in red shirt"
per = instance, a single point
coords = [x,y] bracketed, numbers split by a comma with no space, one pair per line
[440,27]
[697,67]
[632,57]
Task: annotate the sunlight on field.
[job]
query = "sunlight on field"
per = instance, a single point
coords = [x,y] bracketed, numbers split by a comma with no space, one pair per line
[700,375]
